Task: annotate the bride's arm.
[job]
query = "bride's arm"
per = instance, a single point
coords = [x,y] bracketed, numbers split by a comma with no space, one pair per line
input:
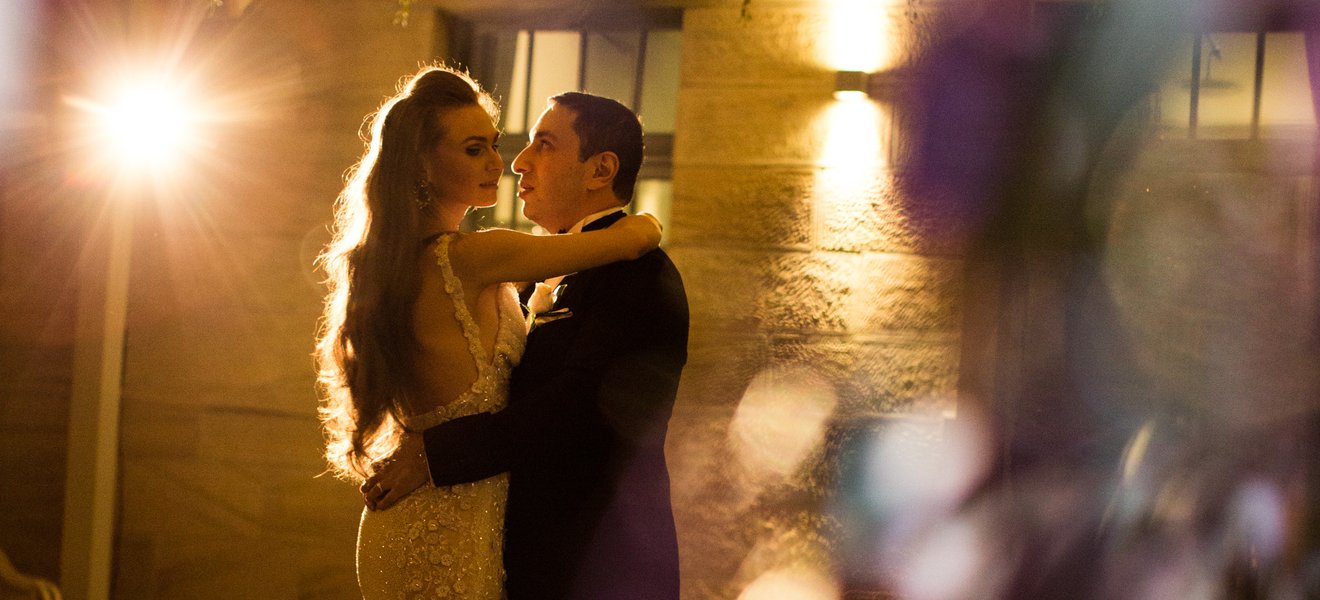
[499,255]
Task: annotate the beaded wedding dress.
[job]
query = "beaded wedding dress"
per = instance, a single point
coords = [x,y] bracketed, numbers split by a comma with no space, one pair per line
[447,542]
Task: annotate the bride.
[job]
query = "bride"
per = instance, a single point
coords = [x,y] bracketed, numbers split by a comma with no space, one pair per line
[420,326]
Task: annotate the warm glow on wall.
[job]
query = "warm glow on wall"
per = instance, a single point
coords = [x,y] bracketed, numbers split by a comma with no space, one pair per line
[852,138]
[853,42]
[854,131]
[859,35]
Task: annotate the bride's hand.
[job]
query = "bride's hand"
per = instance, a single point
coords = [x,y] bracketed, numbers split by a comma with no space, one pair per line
[397,475]
[647,227]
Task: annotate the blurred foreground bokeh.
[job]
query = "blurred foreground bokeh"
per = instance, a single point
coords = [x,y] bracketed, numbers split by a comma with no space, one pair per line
[1138,410]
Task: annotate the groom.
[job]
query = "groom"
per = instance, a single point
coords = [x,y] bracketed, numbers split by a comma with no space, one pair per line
[583,435]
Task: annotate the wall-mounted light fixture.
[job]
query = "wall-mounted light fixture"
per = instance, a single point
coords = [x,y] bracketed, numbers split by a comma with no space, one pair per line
[850,85]
[882,85]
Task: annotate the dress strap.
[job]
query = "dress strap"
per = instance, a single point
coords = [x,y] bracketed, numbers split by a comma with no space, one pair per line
[455,289]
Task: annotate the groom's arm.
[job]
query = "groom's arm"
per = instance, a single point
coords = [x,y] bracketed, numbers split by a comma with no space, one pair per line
[621,375]
[478,446]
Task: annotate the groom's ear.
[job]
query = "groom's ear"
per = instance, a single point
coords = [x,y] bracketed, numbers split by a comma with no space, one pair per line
[605,165]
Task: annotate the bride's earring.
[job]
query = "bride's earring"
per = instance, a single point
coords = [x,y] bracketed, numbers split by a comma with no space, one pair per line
[423,195]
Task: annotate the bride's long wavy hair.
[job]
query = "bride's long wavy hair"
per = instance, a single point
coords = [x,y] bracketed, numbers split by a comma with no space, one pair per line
[366,343]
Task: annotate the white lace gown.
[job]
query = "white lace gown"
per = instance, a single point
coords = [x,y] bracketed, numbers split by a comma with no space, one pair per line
[447,542]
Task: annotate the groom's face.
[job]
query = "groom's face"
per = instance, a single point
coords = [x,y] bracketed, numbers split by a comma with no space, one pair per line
[553,179]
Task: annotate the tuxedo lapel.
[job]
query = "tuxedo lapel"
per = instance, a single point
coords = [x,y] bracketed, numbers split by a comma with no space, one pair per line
[574,284]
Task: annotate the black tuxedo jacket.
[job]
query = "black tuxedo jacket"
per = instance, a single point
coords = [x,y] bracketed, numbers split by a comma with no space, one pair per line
[583,437]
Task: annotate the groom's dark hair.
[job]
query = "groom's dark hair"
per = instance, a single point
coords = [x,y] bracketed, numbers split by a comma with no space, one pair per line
[602,125]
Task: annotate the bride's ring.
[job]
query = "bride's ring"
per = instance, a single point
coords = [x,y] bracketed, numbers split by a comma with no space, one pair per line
[377,487]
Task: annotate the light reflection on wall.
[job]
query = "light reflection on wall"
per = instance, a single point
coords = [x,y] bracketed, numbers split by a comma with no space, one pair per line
[853,157]
[857,40]
[852,141]
[851,181]
[854,161]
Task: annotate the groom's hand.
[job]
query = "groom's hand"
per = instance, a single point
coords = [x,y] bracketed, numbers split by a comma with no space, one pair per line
[397,475]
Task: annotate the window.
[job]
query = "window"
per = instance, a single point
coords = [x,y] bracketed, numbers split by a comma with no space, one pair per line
[1239,86]
[633,60]
[1233,84]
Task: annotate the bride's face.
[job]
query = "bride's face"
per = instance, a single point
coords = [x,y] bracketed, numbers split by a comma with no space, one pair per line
[465,166]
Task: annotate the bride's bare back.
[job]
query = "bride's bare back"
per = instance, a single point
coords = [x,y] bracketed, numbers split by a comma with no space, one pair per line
[444,363]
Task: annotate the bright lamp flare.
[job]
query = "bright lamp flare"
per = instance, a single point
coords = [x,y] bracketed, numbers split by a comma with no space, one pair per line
[147,124]
[143,125]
